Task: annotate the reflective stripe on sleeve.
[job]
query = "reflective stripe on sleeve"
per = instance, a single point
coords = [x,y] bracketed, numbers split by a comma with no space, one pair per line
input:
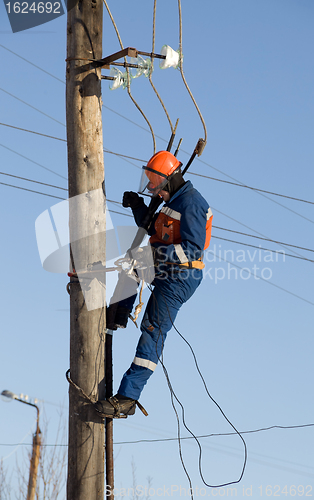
[146,363]
[209,213]
[180,253]
[171,213]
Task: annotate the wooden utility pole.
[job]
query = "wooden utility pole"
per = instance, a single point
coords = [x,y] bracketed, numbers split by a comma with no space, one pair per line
[86,174]
[109,422]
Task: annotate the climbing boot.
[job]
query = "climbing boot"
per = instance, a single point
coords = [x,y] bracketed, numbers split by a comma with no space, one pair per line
[117,406]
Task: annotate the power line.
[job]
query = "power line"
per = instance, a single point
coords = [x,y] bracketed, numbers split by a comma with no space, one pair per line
[257,237]
[152,67]
[33,107]
[265,280]
[215,227]
[32,161]
[251,229]
[202,436]
[128,215]
[125,156]
[57,197]
[183,77]
[264,239]
[238,183]
[35,65]
[217,170]
[262,429]
[64,140]
[129,78]
[31,191]
[32,180]
[145,161]
[252,188]
[261,248]
[33,132]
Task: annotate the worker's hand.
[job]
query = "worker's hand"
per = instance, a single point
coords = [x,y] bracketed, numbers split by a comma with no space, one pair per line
[132,200]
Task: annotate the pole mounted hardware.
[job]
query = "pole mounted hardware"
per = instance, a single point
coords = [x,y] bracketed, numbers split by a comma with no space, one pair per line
[127,52]
[168,58]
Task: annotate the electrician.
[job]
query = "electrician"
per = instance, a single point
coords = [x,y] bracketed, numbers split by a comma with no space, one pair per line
[179,234]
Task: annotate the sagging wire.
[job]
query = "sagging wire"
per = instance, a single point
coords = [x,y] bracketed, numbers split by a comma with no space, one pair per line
[152,67]
[173,395]
[183,77]
[129,77]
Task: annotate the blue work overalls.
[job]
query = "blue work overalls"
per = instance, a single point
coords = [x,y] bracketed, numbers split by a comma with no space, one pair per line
[172,286]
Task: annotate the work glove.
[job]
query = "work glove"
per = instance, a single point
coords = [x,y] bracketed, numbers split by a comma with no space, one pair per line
[132,200]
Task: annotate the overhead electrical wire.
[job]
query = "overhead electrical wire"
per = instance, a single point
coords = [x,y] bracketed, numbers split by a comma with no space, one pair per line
[32,191]
[189,172]
[264,239]
[264,279]
[260,248]
[152,67]
[254,230]
[33,132]
[32,161]
[64,140]
[219,434]
[53,196]
[219,257]
[201,436]
[174,396]
[182,73]
[129,78]
[32,180]
[65,178]
[33,107]
[29,62]
[250,187]
[205,133]
[215,227]
[134,123]
[145,129]
[238,183]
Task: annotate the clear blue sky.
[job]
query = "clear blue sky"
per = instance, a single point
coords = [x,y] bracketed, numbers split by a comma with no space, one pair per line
[250,67]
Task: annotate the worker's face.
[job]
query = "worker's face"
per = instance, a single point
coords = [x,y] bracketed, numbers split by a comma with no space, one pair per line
[165,195]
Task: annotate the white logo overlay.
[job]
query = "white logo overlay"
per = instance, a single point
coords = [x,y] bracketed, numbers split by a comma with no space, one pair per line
[78,235]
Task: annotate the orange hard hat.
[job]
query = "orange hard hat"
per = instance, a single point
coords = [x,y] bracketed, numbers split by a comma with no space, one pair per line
[158,171]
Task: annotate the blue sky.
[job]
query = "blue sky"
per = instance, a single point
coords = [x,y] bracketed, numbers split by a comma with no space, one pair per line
[250,68]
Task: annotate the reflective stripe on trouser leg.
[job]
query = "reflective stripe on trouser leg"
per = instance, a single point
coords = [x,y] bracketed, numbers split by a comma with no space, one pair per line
[145,363]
